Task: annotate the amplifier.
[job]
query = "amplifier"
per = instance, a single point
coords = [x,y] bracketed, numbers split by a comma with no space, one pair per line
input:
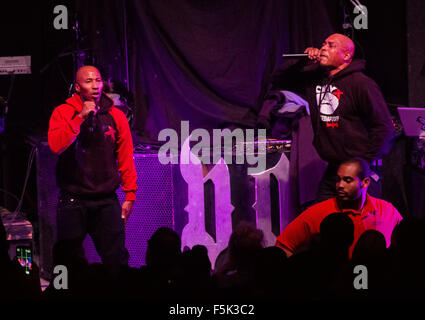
[152,209]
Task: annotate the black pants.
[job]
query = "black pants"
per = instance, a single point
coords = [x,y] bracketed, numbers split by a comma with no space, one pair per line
[327,185]
[101,219]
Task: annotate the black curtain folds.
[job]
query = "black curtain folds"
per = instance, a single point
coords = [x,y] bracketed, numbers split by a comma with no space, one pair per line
[102,34]
[205,61]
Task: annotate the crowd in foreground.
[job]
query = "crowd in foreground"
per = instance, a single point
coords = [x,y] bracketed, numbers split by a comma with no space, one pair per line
[245,269]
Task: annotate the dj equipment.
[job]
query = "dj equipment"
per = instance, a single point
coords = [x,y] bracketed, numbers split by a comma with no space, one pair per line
[15,65]
[11,66]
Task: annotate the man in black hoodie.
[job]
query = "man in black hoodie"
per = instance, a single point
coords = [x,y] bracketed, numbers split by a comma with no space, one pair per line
[348,112]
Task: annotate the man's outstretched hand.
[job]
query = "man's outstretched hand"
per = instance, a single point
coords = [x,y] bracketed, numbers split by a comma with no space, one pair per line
[126,210]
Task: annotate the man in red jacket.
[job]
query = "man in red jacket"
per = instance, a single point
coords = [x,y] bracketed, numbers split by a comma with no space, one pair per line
[95,148]
[365,211]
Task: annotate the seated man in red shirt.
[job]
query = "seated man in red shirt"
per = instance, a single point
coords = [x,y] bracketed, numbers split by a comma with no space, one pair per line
[366,211]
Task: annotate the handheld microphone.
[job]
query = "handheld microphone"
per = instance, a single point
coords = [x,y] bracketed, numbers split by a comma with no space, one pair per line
[90,121]
[294,55]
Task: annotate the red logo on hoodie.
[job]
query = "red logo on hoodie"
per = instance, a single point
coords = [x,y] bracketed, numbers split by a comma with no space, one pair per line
[337,93]
[332,124]
[111,133]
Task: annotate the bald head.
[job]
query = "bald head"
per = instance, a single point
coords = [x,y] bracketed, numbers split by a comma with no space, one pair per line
[336,52]
[344,42]
[84,71]
[88,83]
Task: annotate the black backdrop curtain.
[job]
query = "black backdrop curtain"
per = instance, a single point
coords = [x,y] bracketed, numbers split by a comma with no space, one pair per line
[204,61]
[207,61]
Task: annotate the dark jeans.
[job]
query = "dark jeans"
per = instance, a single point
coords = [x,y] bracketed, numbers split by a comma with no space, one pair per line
[327,185]
[101,219]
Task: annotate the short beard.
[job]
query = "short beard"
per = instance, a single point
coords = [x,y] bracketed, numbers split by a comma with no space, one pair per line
[353,204]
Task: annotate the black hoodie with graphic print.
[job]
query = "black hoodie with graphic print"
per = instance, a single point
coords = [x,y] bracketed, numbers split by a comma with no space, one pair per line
[348,112]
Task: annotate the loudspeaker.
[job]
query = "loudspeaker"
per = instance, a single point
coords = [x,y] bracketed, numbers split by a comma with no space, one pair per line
[152,209]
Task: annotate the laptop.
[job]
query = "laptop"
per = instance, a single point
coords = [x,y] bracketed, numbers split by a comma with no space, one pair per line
[413,121]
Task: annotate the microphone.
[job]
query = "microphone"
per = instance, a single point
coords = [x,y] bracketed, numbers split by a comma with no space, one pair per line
[294,55]
[90,121]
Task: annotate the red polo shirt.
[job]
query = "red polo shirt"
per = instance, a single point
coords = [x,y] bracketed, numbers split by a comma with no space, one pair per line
[376,214]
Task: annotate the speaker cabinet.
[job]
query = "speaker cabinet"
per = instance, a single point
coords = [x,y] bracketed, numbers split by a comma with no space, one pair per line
[152,209]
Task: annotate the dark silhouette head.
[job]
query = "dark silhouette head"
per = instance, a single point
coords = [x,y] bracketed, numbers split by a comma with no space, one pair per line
[164,247]
[409,237]
[245,244]
[196,265]
[337,231]
[198,256]
[370,246]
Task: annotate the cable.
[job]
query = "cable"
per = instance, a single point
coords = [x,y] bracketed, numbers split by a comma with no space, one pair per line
[10,194]
[29,165]
[19,206]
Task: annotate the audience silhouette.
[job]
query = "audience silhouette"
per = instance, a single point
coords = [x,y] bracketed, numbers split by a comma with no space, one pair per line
[245,269]
[406,277]
[160,277]
[314,272]
[235,276]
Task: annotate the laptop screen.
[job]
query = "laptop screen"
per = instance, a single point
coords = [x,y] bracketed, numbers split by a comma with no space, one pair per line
[413,121]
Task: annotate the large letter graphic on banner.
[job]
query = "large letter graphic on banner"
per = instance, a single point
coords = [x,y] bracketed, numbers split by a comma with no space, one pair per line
[194,231]
[263,203]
